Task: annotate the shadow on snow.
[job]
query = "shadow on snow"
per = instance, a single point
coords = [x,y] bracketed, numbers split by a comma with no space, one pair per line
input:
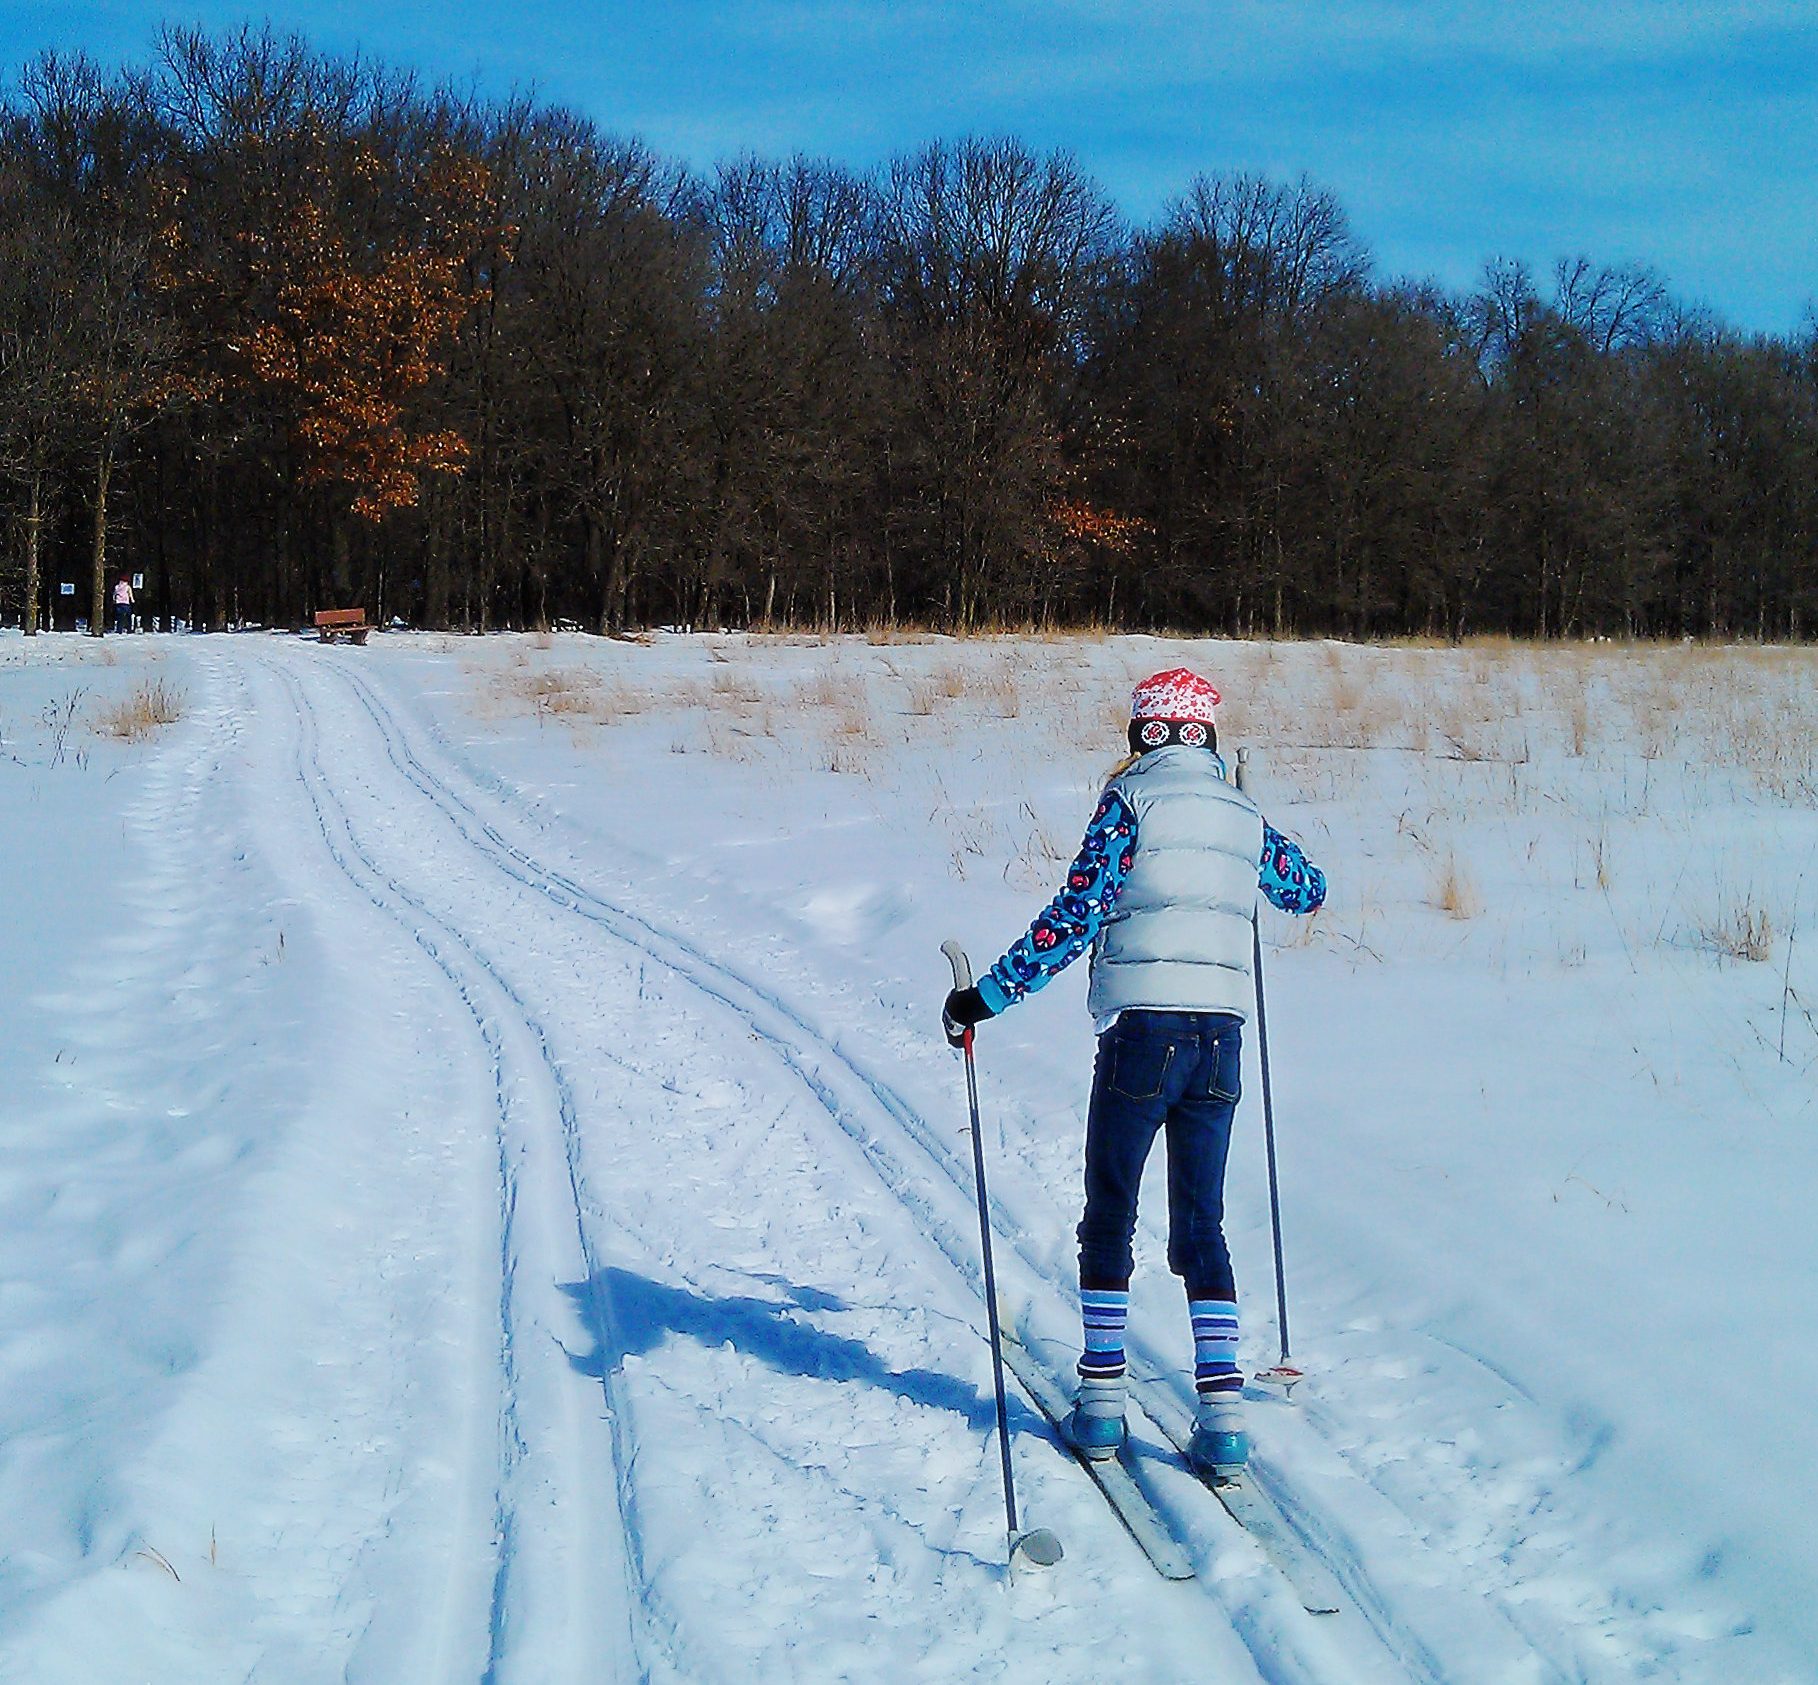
[630,1315]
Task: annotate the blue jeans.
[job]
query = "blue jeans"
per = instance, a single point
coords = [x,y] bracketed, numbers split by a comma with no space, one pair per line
[1178,1070]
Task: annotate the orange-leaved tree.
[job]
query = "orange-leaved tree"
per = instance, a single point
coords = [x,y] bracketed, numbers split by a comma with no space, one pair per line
[353,337]
[1083,531]
[332,317]
[1079,522]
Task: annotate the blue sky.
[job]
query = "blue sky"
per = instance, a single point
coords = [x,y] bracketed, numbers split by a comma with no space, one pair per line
[1683,135]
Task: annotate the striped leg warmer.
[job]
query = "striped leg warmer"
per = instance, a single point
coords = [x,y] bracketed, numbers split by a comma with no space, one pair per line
[1101,1365]
[1215,1371]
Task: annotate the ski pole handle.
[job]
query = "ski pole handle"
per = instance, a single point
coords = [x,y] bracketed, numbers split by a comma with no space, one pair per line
[958,1035]
[1243,770]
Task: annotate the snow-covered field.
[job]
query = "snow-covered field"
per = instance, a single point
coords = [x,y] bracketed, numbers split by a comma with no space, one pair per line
[483,1197]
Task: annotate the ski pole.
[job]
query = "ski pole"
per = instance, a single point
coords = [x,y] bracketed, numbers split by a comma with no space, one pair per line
[1038,1547]
[1284,1374]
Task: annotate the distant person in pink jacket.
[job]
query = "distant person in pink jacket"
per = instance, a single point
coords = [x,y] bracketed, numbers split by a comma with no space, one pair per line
[123,604]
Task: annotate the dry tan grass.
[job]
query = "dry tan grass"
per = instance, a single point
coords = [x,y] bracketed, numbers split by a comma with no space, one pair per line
[882,633]
[152,704]
[1653,708]
[970,833]
[575,696]
[736,744]
[828,688]
[1344,683]
[1240,718]
[1002,693]
[735,685]
[1087,632]
[1600,858]
[1769,732]
[1039,859]
[996,689]
[1741,931]
[1461,716]
[1576,702]
[557,692]
[924,696]
[1454,894]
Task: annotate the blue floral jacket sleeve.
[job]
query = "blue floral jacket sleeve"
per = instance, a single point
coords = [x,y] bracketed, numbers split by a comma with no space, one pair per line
[1065,928]
[1290,880]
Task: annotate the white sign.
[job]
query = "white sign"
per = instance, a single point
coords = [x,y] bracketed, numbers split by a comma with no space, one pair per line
[67,589]
[138,582]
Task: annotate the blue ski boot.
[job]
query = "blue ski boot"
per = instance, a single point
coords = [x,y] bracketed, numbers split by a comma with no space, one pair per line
[1096,1427]
[1219,1448]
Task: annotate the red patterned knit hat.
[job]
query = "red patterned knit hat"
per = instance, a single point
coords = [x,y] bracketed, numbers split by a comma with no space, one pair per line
[1173,707]
[1178,694]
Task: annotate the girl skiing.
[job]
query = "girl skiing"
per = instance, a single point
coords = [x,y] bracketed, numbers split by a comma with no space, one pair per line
[1162,893]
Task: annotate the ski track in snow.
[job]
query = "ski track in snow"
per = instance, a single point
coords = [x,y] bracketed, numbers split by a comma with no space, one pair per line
[777,1032]
[658,1637]
[641,1610]
[827,1070]
[1389,1506]
[708,1400]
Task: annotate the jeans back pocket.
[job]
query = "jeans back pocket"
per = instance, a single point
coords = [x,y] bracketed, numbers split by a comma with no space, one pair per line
[1224,1068]
[1139,1067]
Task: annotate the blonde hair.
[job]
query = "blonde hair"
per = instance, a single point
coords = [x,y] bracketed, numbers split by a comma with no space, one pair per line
[1122,767]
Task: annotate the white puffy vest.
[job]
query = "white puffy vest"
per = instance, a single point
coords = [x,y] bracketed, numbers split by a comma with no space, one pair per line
[1178,939]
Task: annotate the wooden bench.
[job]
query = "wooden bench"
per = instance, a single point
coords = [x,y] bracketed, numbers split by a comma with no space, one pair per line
[348,623]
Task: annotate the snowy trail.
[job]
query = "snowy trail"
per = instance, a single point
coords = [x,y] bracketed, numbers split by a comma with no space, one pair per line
[429,865]
[522,1631]
[319,1274]
[1442,1490]
[891,1136]
[853,1096]
[578,1284]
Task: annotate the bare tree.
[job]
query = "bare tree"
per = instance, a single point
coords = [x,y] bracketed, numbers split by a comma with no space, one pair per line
[606,287]
[1210,369]
[1616,309]
[989,258]
[39,329]
[792,411]
[91,143]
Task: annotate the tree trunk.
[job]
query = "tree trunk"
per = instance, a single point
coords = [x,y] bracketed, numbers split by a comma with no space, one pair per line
[97,616]
[1281,567]
[340,553]
[618,586]
[435,589]
[220,604]
[604,577]
[34,526]
[278,581]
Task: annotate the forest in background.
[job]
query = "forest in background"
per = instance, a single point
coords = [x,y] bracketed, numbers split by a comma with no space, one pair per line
[282,331]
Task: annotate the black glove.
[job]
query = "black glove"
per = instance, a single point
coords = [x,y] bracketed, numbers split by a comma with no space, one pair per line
[964,1008]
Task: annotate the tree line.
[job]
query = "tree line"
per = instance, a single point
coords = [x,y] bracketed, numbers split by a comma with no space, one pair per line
[282,331]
